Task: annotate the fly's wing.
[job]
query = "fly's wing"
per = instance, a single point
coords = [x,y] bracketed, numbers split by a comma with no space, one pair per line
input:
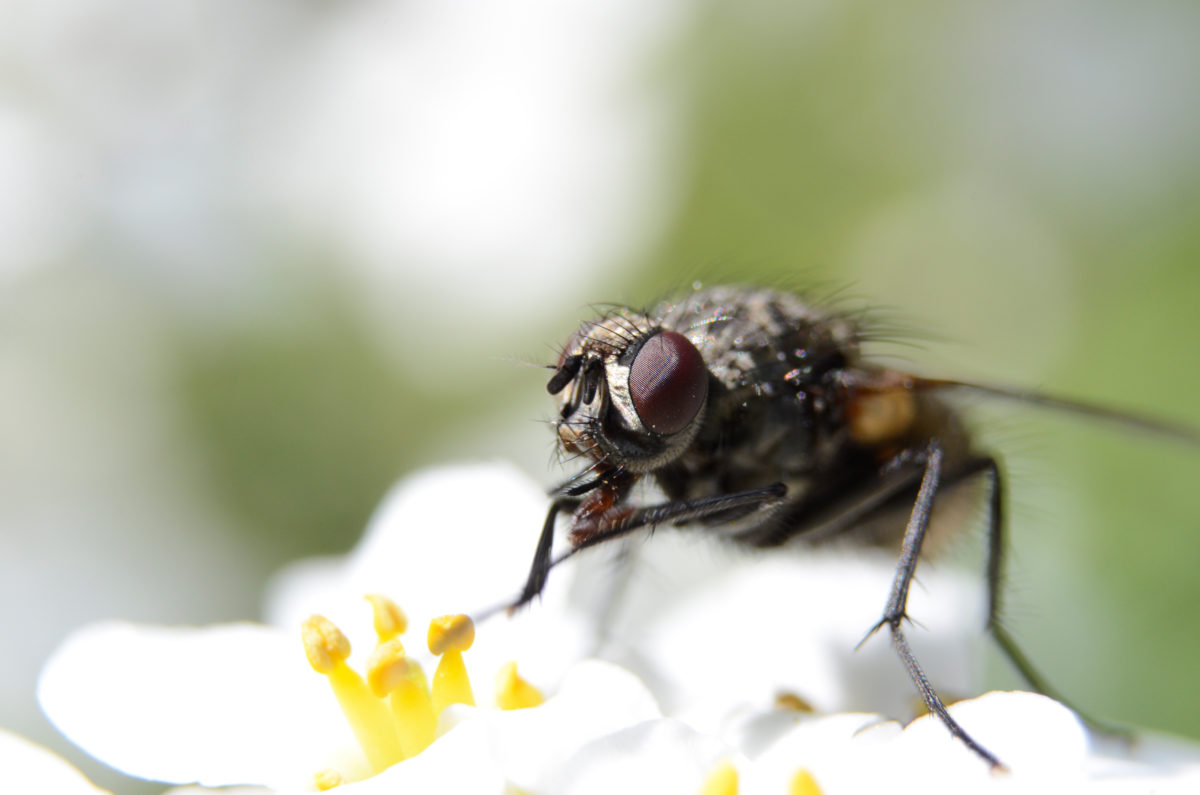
[1122,419]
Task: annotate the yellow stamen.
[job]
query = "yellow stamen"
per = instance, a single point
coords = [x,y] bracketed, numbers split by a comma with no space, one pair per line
[513,692]
[450,636]
[793,703]
[392,674]
[327,650]
[390,620]
[804,784]
[328,779]
[722,781]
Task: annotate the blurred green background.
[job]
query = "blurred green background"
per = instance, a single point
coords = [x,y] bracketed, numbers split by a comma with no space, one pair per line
[260,260]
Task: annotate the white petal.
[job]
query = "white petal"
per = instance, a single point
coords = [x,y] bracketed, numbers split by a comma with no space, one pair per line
[1044,745]
[232,704]
[805,740]
[453,539]
[485,750]
[30,769]
[658,757]
[1039,740]
[596,699]
[793,622]
[460,761]
[827,747]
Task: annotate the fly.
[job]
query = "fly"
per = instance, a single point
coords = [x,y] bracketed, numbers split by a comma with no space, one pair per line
[755,413]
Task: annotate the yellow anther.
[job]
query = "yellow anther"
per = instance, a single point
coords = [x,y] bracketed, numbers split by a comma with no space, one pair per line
[450,633]
[324,644]
[390,620]
[387,667]
[513,692]
[328,779]
[804,784]
[327,650]
[722,781]
[450,636]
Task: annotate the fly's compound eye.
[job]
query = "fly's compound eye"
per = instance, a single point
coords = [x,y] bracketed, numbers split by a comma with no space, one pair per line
[668,382]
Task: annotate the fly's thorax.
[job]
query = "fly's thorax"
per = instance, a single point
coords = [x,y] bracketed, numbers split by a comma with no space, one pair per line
[753,335]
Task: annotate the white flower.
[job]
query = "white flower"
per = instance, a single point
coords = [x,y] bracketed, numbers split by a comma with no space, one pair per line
[30,769]
[716,641]
[776,752]
[455,539]
[239,704]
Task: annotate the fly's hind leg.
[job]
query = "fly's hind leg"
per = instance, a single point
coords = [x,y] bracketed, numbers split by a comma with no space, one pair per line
[996,549]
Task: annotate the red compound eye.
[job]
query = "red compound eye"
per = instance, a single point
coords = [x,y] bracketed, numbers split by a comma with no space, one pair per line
[668,382]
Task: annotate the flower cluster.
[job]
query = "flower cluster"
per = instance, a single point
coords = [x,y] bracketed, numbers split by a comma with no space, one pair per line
[694,705]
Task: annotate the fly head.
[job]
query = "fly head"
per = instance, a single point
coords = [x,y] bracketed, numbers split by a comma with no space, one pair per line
[631,393]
